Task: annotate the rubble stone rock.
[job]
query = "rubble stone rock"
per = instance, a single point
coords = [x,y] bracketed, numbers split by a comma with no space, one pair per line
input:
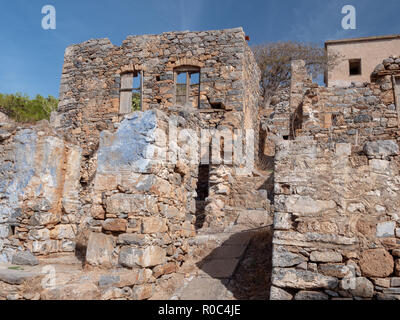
[279,294]
[137,257]
[376,263]
[300,279]
[24,258]
[99,250]
[363,288]
[310,295]
[325,256]
[381,148]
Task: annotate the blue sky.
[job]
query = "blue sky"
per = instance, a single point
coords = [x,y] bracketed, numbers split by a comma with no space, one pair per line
[31,58]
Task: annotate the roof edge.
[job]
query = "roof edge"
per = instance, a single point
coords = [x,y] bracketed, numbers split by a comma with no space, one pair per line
[387,37]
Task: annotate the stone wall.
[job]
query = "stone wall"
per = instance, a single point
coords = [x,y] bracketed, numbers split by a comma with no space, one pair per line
[40,205]
[336,192]
[143,205]
[91,79]
[336,221]
[355,114]
[91,83]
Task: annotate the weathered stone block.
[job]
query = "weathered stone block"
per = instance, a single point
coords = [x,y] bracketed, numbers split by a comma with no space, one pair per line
[132,238]
[376,263]
[148,257]
[115,225]
[63,231]
[395,282]
[310,295]
[254,218]
[282,221]
[131,203]
[334,270]
[385,229]
[326,256]
[279,294]
[301,279]
[381,148]
[142,292]
[363,288]
[306,205]
[284,258]
[99,250]
[75,291]
[154,225]
[24,258]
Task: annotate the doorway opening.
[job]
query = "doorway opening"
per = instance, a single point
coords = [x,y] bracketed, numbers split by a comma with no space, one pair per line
[202,190]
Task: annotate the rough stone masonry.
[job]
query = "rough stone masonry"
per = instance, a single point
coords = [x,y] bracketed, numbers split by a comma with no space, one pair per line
[85,184]
[336,223]
[94,184]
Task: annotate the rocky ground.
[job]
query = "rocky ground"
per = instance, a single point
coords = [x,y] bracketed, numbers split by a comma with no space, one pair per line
[226,266]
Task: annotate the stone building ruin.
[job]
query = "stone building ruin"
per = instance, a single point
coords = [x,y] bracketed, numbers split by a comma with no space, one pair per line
[118,188]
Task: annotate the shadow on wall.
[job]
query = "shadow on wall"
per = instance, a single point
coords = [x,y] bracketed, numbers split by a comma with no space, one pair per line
[269,186]
[243,264]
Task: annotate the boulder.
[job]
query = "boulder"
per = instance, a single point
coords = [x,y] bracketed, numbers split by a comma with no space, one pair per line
[17,277]
[381,148]
[376,263]
[24,258]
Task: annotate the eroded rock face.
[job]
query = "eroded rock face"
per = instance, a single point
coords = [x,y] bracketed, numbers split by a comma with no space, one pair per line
[376,263]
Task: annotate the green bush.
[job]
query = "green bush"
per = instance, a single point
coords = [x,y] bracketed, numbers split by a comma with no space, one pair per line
[136,102]
[22,108]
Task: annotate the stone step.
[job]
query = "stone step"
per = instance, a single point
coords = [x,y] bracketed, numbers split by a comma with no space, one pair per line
[15,275]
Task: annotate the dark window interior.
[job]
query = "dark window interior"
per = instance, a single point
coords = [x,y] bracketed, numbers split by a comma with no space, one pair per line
[355,67]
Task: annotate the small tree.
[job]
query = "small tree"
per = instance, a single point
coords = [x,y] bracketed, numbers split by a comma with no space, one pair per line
[274,60]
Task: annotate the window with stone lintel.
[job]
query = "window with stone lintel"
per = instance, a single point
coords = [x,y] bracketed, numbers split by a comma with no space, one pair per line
[131,92]
[187,86]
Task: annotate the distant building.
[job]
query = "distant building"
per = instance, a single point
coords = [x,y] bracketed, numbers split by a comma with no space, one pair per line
[360,56]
